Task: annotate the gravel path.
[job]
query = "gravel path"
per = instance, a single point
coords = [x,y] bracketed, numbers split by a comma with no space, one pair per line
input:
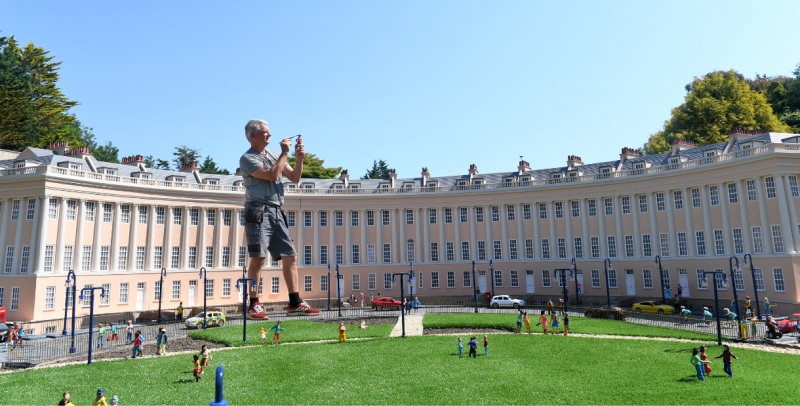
[413,326]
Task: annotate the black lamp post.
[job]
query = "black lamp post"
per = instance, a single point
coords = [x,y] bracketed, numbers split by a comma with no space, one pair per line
[608,267]
[737,311]
[562,274]
[661,274]
[161,291]
[204,275]
[575,278]
[491,269]
[704,282]
[70,278]
[755,287]
[476,291]
[244,304]
[338,291]
[91,314]
[410,275]
[329,287]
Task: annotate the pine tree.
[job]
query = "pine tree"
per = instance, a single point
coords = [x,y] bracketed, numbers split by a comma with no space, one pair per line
[380,170]
[312,167]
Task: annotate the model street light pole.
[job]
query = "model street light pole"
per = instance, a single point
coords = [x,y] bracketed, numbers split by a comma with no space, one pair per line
[562,274]
[608,267]
[575,278]
[244,304]
[491,273]
[736,309]
[91,313]
[161,291]
[410,275]
[70,278]
[661,274]
[204,275]
[704,283]
[476,291]
[755,287]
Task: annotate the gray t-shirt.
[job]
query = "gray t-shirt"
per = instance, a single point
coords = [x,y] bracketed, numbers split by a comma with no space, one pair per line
[260,190]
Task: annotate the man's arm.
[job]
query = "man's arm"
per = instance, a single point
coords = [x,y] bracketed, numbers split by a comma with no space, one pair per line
[273,173]
[294,174]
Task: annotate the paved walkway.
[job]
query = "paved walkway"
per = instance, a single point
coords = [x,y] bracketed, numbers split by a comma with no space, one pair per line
[413,325]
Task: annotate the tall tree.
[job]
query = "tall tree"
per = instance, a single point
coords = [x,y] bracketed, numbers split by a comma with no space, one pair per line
[713,106]
[15,100]
[312,167]
[209,166]
[380,170]
[185,155]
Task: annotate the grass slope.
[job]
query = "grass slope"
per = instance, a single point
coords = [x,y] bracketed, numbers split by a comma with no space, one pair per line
[520,369]
[296,330]
[576,325]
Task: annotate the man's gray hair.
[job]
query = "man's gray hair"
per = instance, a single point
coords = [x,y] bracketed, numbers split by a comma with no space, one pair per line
[252,127]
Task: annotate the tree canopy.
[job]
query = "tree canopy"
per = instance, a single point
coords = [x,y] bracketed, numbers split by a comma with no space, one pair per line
[312,167]
[380,170]
[185,155]
[209,166]
[713,106]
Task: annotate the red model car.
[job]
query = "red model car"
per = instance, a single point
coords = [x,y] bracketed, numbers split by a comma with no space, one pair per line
[385,303]
[789,324]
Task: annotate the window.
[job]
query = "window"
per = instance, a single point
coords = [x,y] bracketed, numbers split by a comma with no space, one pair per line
[777,238]
[777,274]
[738,279]
[410,217]
[733,197]
[276,285]
[751,190]
[677,198]
[665,276]
[31,209]
[48,258]
[514,279]
[696,198]
[448,216]
[526,211]
[370,253]
[307,255]
[528,248]
[481,250]
[384,217]
[431,216]
[23,263]
[683,249]
[660,202]
[338,218]
[434,279]
[308,281]
[592,208]
[387,281]
[595,278]
[410,252]
[626,205]
[759,279]
[713,192]
[451,279]
[612,278]
[629,251]
[699,273]
[177,216]
[72,211]
[123,293]
[498,250]
[339,253]
[355,253]
[192,257]
[719,242]
[465,250]
[291,218]
[647,248]
[498,278]
[609,204]
[434,252]
[576,208]
[356,279]
[50,298]
[559,208]
[511,212]
[122,264]
[738,244]
[140,251]
[612,246]
[449,251]
[52,209]
[107,212]
[770,183]
[700,240]
[648,278]
[542,211]
[195,217]
[160,214]
[370,217]
[561,243]
[353,218]
[158,257]
[387,253]
[419,280]
[545,248]
[512,250]
[323,255]
[642,203]
[793,186]
[14,299]
[758,244]
[68,250]
[260,285]
[87,299]
[545,278]
[143,215]
[718,279]
[242,256]
[371,282]
[495,213]
[323,282]
[176,257]
[594,242]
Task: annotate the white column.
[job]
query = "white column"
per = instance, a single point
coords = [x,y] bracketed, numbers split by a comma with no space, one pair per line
[457,235]
[219,243]
[34,236]
[651,203]
[98,222]
[418,247]
[378,237]
[792,212]
[425,245]
[688,214]
[568,224]
[23,207]
[535,217]
[113,258]
[553,239]
[315,247]
[670,201]
[707,230]
[601,214]
[363,222]
[4,225]
[77,252]
[201,250]
[441,236]
[36,253]
[585,225]
[504,228]
[787,229]
[747,236]
[150,250]
[520,237]
[637,236]
[331,241]
[348,218]
[396,252]
[166,260]
[618,222]
[403,250]
[766,232]
[185,224]
[727,235]
[132,243]
[487,219]
[300,223]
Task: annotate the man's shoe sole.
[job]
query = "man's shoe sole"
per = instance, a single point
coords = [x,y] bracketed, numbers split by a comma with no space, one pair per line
[301,313]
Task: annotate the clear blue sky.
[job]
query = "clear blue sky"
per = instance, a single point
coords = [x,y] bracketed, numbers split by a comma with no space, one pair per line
[417,83]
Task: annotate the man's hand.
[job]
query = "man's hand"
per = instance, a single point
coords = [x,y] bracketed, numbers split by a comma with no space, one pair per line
[300,152]
[286,143]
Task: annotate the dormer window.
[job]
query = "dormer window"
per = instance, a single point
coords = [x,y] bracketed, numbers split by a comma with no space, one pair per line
[461,184]
[709,154]
[746,146]
[237,183]
[433,184]
[110,172]
[173,178]
[638,165]
[214,182]
[477,181]
[334,186]
[408,185]
[674,160]
[142,175]
[291,185]
[308,186]
[19,164]
[355,186]
[525,179]
[385,186]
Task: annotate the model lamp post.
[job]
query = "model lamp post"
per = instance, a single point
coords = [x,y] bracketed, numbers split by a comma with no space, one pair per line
[608,267]
[476,290]
[410,275]
[204,275]
[161,291]
[704,285]
[90,291]
[755,287]
[735,306]
[244,304]
[71,279]
[329,287]
[561,274]
[575,278]
[338,291]
[491,272]
[661,274]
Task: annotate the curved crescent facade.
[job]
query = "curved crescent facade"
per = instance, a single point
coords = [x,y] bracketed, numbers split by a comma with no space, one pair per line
[117,225]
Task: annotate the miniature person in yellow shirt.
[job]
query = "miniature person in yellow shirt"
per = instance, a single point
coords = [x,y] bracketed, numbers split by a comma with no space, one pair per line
[342,337]
[101,398]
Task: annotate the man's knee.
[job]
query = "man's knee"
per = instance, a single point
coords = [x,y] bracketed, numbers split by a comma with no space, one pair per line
[257,262]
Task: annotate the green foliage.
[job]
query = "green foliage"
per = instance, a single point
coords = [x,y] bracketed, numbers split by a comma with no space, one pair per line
[185,155]
[792,119]
[296,331]
[312,167]
[380,170]
[714,105]
[209,166]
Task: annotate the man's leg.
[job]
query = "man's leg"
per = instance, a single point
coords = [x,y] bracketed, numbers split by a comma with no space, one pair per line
[254,271]
[296,305]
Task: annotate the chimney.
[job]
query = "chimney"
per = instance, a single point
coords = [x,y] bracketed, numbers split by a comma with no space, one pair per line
[573,161]
[425,176]
[80,152]
[681,145]
[238,172]
[59,148]
[523,167]
[473,170]
[345,176]
[628,153]
[134,160]
[190,167]
[741,133]
[393,177]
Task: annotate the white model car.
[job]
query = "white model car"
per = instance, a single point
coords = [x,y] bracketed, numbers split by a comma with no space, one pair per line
[506,301]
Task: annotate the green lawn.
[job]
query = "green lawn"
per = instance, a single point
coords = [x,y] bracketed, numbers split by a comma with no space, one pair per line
[576,325]
[296,330]
[520,369]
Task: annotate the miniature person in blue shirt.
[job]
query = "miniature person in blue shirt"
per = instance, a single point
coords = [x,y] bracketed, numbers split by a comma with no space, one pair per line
[473,346]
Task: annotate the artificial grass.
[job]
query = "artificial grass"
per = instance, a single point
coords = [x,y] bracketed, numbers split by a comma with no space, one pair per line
[296,330]
[582,325]
[520,369]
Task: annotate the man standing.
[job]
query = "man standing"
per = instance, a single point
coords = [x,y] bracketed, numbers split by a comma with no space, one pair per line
[180,312]
[265,221]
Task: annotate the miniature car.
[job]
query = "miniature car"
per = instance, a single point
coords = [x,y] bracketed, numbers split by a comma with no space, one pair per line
[614,313]
[789,324]
[652,307]
[214,319]
[385,303]
[506,301]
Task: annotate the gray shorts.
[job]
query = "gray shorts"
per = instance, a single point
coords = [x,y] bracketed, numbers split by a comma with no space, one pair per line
[270,235]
